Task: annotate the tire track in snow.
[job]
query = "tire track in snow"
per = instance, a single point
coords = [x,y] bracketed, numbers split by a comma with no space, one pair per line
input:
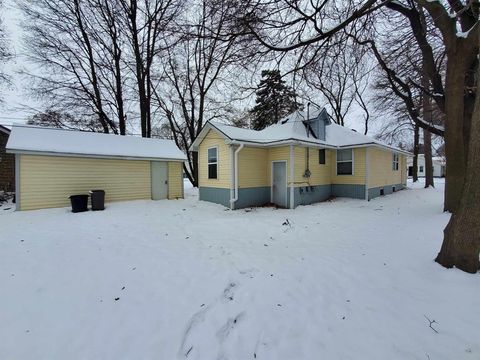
[228,294]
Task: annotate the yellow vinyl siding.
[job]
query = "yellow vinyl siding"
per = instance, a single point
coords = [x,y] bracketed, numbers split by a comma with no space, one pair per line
[320,173]
[212,139]
[358,176]
[278,154]
[175,180]
[48,181]
[252,167]
[381,171]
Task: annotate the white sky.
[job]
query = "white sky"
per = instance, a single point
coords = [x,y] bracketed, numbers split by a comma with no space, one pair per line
[18,105]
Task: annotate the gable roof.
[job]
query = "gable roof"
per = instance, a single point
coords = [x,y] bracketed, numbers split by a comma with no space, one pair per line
[292,130]
[31,139]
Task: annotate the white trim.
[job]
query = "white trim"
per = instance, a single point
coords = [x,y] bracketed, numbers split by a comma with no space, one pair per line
[343,161]
[91,156]
[397,162]
[281,143]
[292,177]
[235,157]
[216,164]
[286,181]
[232,175]
[17,181]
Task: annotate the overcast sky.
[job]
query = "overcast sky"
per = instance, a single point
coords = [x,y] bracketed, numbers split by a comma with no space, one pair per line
[18,105]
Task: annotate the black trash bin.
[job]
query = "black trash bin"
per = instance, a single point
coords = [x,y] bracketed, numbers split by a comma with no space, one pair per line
[79,203]
[98,199]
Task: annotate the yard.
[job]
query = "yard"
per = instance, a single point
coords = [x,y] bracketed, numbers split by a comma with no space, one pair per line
[346,279]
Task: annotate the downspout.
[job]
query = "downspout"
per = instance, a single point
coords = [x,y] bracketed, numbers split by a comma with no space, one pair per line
[235,170]
[292,177]
[366,174]
[17,182]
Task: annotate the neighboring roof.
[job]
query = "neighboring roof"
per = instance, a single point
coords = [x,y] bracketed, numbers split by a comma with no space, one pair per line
[30,139]
[292,130]
[4,129]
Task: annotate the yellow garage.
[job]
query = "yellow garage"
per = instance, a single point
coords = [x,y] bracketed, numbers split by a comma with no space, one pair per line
[52,164]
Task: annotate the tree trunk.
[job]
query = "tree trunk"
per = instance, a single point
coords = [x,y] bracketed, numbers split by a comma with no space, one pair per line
[461,243]
[454,132]
[427,146]
[416,148]
[427,136]
[195,169]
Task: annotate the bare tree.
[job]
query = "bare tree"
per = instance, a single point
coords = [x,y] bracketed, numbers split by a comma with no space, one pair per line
[5,54]
[147,23]
[55,119]
[416,145]
[195,67]
[339,72]
[65,39]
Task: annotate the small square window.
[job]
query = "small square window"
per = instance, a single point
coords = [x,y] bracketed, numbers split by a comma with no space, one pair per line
[421,168]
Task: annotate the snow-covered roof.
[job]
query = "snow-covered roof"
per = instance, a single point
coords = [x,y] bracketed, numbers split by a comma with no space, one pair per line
[32,139]
[292,129]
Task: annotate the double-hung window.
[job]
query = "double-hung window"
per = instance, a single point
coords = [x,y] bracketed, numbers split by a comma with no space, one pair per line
[213,163]
[395,162]
[345,162]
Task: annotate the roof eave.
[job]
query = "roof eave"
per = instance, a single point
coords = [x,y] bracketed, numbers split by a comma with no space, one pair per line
[95,156]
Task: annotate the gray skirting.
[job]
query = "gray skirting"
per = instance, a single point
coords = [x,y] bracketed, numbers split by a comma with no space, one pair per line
[349,190]
[215,195]
[387,189]
[306,195]
[257,196]
[260,196]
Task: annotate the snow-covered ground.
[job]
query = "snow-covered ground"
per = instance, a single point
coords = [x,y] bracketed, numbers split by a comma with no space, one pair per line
[182,279]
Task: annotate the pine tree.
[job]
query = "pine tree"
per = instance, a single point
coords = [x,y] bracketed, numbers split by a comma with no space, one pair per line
[274,101]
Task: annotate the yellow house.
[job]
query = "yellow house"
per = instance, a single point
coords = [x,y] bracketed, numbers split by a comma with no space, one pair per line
[52,164]
[298,161]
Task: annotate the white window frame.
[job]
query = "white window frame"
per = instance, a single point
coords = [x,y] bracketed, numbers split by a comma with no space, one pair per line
[211,163]
[395,161]
[343,161]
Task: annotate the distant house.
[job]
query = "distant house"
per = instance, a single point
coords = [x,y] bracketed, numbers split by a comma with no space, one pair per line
[298,161]
[52,164]
[7,163]
[439,166]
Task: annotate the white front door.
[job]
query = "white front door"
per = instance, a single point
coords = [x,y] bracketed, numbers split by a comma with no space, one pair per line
[279,183]
[159,170]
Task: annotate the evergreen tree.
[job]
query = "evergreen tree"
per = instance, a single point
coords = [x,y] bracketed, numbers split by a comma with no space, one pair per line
[274,101]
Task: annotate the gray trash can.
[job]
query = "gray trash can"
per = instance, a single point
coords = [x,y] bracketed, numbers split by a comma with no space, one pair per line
[98,199]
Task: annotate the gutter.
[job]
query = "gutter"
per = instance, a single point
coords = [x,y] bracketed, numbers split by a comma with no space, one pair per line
[92,156]
[235,171]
